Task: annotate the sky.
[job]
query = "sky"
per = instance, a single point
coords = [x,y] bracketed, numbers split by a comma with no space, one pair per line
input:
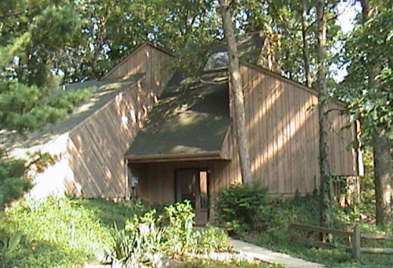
[346,19]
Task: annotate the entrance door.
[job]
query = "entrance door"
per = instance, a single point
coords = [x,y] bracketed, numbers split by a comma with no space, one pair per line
[192,184]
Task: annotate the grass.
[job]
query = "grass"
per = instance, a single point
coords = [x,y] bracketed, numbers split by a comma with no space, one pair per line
[62,232]
[68,232]
[304,210]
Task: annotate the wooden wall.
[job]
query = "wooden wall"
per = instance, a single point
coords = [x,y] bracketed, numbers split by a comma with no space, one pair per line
[343,159]
[145,59]
[98,144]
[156,183]
[283,134]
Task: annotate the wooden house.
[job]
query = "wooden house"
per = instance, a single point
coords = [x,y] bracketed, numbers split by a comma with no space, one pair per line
[165,137]
[187,147]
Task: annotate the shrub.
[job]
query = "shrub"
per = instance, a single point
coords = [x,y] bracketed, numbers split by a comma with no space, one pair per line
[56,233]
[178,220]
[212,239]
[12,182]
[147,238]
[241,207]
[24,107]
[9,248]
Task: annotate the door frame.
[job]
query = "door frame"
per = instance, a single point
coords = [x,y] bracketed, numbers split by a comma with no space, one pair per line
[197,187]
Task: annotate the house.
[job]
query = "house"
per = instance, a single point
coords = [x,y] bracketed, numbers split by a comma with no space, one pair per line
[153,133]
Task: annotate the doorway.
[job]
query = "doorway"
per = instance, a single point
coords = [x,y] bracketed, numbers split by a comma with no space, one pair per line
[193,184]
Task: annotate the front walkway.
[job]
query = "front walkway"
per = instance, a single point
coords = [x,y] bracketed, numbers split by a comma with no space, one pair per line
[270,256]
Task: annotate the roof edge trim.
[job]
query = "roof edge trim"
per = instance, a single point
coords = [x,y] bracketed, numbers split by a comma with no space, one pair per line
[125,57]
[215,155]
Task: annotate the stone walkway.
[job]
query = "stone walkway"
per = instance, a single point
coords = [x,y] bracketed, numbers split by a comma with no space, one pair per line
[270,256]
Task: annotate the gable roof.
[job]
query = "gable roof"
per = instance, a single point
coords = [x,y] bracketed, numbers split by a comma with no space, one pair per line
[190,121]
[103,92]
[133,52]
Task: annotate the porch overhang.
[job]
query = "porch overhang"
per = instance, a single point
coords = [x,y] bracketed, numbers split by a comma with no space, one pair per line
[216,155]
[190,122]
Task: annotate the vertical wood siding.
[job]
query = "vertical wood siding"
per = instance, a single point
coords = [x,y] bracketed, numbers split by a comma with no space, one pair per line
[135,63]
[145,59]
[283,134]
[157,180]
[343,157]
[98,145]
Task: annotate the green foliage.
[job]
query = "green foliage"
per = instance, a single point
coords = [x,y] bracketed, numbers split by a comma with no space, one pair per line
[149,237]
[12,181]
[212,239]
[368,86]
[25,107]
[179,220]
[305,210]
[62,232]
[241,207]
[9,247]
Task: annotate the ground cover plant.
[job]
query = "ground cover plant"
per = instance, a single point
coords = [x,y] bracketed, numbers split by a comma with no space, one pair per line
[164,235]
[12,181]
[271,228]
[60,232]
[69,232]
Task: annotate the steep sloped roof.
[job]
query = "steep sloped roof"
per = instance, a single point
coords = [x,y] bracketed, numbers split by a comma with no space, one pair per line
[190,121]
[103,92]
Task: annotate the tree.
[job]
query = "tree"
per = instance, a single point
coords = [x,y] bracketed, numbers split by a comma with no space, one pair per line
[368,89]
[325,187]
[237,92]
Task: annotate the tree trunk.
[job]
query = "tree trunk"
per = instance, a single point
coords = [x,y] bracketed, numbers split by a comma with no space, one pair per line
[326,185]
[383,178]
[383,162]
[307,74]
[237,92]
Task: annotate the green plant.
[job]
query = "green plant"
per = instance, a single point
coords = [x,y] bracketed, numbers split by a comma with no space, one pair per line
[12,181]
[241,207]
[212,239]
[28,107]
[148,238]
[9,246]
[58,232]
[178,220]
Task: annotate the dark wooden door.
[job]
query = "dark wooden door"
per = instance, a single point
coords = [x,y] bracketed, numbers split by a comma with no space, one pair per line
[192,184]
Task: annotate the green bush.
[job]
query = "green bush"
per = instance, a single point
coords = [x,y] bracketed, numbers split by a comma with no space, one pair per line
[148,238]
[56,233]
[178,220]
[9,248]
[212,239]
[12,182]
[24,107]
[242,207]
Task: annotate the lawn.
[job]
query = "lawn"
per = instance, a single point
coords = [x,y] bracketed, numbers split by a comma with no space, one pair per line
[69,232]
[61,232]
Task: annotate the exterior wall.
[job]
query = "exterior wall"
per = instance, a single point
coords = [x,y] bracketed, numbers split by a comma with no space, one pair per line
[343,159]
[156,181]
[97,146]
[283,134]
[145,59]
[135,63]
